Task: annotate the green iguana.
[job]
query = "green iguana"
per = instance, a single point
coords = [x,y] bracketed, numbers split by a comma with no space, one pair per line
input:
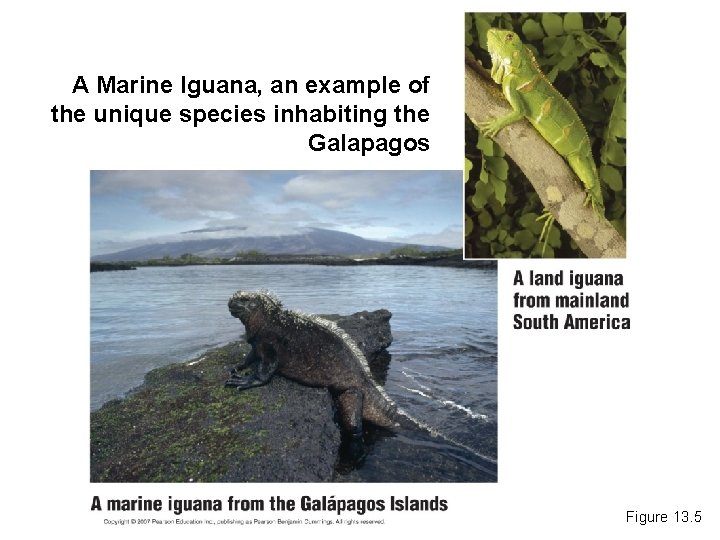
[532,96]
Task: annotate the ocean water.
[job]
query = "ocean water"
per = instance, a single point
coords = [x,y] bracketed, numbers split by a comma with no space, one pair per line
[443,369]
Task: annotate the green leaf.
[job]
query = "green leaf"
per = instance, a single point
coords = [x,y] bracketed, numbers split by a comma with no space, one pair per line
[524,239]
[482,25]
[554,238]
[552,23]
[617,127]
[468,30]
[468,166]
[485,145]
[568,46]
[616,66]
[484,176]
[613,153]
[610,92]
[572,22]
[588,41]
[599,59]
[482,193]
[552,45]
[532,30]
[528,220]
[498,166]
[613,28]
[484,219]
[612,177]
[500,188]
[617,122]
[566,63]
[478,201]
[552,74]
[468,226]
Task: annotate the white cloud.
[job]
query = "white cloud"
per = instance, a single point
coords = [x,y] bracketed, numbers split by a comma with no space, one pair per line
[337,190]
[178,195]
[382,205]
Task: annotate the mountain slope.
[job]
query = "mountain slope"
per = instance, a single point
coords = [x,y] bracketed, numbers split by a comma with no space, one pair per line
[311,242]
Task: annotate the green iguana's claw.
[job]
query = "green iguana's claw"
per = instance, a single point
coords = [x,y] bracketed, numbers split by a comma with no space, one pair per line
[545,233]
[489,128]
[597,205]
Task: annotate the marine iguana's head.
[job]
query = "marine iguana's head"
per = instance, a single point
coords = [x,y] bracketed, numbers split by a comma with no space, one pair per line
[243,303]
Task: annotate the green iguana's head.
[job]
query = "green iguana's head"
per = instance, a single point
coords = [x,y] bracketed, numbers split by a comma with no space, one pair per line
[503,43]
[505,50]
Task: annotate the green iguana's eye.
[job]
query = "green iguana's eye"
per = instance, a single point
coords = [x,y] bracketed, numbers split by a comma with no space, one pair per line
[508,37]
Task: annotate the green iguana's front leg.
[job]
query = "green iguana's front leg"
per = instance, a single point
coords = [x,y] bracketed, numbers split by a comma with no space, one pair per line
[491,127]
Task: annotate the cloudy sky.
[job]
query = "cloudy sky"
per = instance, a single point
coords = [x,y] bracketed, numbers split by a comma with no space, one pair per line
[131,208]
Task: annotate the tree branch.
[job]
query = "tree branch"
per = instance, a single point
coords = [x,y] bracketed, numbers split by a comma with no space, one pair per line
[554,181]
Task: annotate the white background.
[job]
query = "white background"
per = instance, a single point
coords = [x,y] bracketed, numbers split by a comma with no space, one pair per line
[592,424]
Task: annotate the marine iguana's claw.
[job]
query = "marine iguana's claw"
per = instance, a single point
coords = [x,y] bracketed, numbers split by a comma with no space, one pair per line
[242,382]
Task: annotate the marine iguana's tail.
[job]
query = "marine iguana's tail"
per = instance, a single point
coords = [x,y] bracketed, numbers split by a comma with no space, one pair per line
[435,433]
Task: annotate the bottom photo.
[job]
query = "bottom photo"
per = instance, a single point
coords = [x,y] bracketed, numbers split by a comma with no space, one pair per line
[289,326]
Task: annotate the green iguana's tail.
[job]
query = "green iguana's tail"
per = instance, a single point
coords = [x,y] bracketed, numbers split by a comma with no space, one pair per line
[584,166]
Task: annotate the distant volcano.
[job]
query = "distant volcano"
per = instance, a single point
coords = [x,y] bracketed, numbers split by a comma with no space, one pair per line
[312,242]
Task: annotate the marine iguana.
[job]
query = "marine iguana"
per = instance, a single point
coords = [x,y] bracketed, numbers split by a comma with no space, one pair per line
[316,352]
[312,351]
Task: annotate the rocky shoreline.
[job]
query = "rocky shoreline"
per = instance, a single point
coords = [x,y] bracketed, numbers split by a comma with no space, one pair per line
[183,425]
[447,259]
[109,267]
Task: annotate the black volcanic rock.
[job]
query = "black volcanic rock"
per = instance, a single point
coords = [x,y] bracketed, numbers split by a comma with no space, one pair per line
[109,267]
[183,425]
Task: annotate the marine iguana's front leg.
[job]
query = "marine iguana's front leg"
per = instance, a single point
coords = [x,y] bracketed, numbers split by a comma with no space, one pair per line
[250,358]
[265,362]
